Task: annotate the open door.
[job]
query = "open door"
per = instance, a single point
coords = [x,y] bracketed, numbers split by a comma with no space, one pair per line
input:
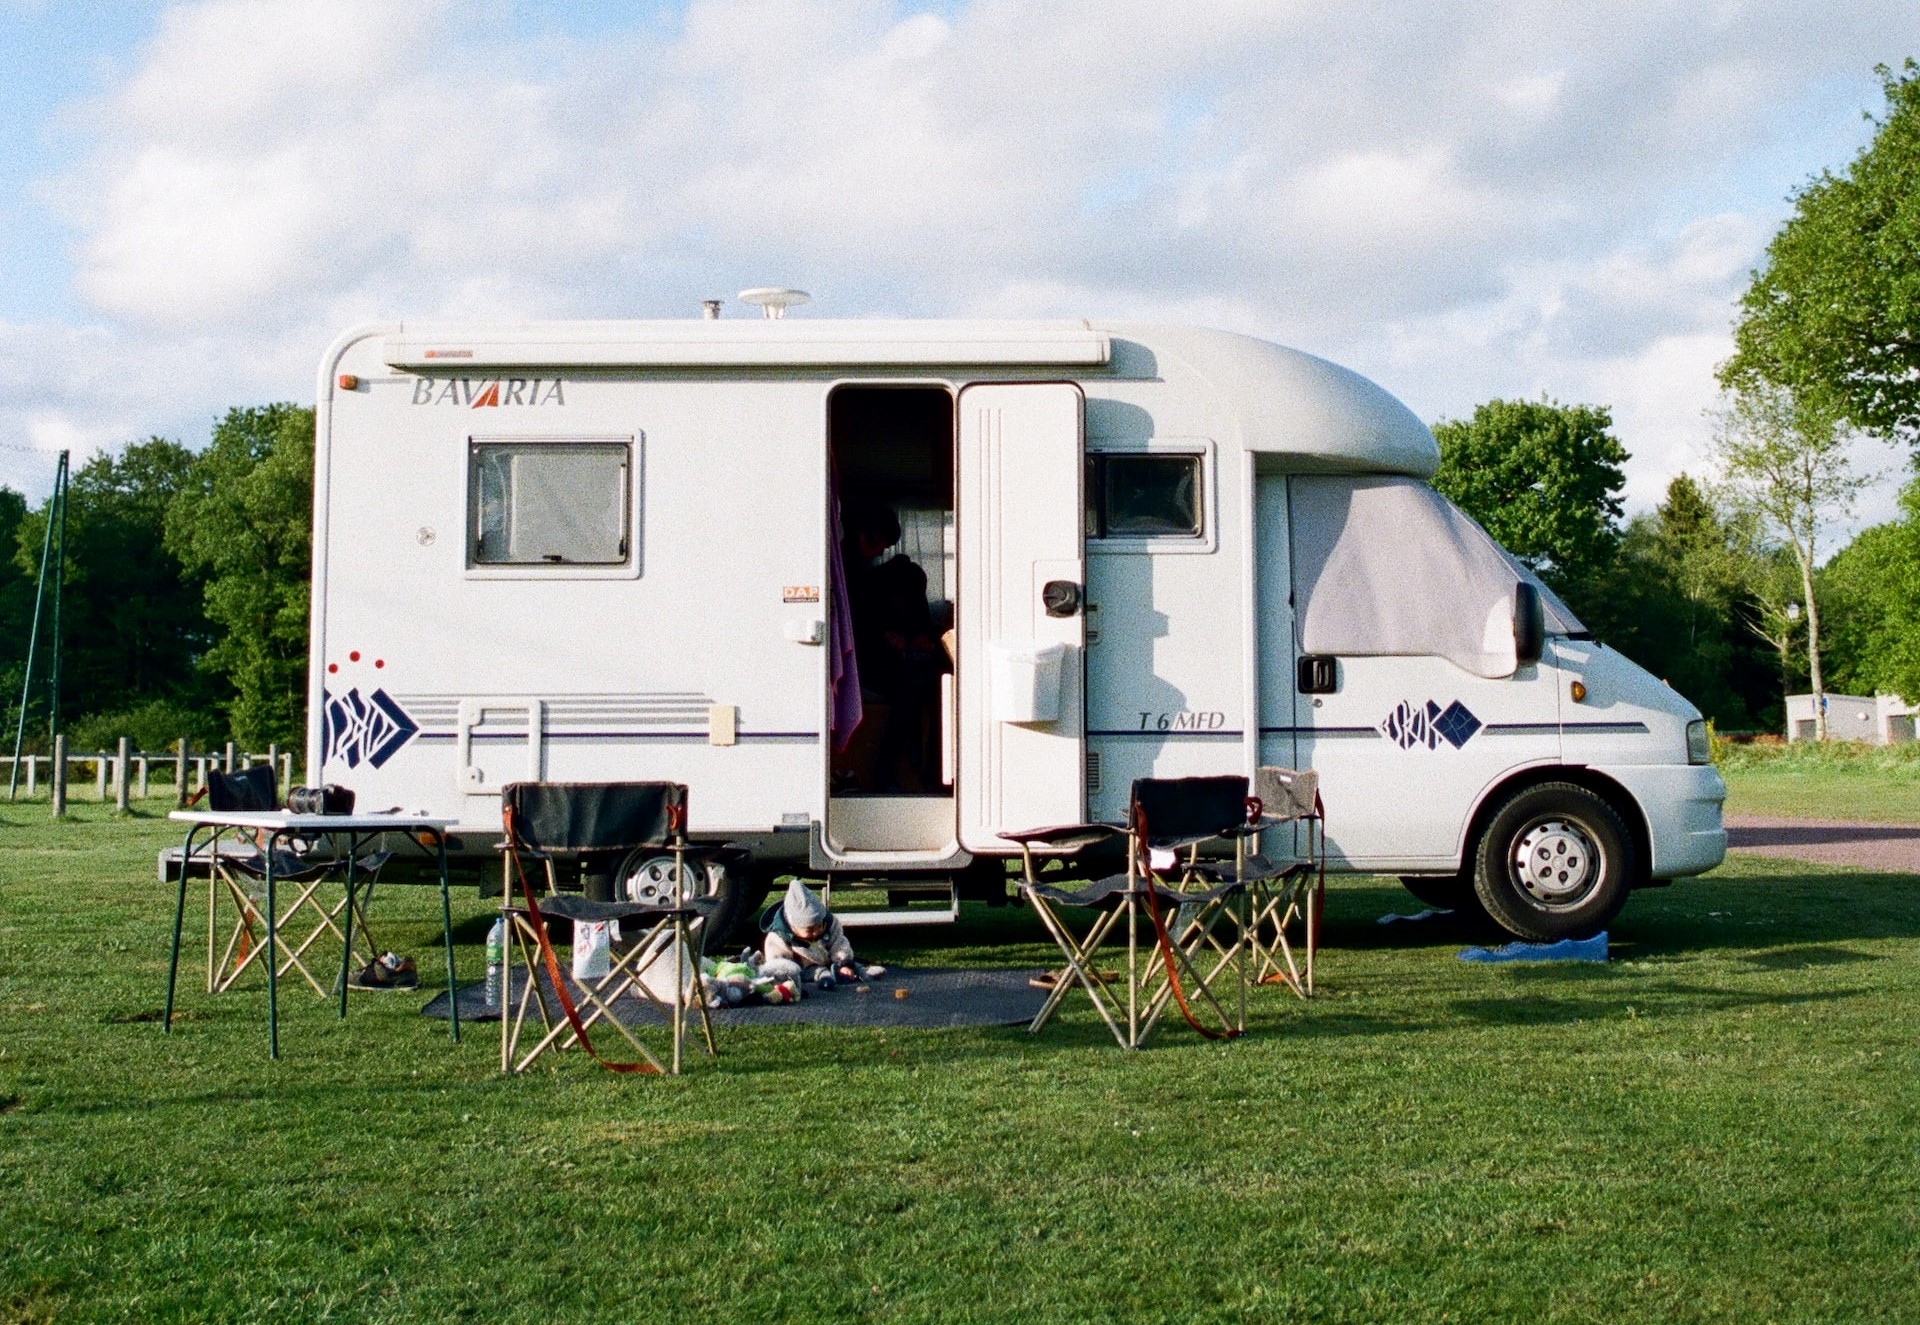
[1021,733]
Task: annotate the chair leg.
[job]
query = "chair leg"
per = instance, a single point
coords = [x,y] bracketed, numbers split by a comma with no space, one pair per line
[1078,955]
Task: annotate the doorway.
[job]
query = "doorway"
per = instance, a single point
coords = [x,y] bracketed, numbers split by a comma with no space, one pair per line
[892,477]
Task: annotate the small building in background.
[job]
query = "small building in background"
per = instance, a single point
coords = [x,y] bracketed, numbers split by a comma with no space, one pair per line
[1874,719]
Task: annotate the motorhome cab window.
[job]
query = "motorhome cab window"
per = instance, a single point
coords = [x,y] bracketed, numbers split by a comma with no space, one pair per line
[550,503]
[1143,496]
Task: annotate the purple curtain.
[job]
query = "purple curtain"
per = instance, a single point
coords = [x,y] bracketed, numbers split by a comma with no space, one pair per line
[847,710]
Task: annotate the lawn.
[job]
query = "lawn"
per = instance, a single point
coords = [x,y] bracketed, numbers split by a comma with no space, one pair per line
[1720,1124]
[1838,781]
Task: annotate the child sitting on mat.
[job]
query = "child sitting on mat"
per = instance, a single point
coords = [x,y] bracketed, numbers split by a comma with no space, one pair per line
[806,942]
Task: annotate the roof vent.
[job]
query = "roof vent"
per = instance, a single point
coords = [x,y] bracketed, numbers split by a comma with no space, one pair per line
[774,302]
[710,309]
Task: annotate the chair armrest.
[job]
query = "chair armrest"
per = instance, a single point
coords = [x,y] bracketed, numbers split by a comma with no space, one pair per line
[1073,837]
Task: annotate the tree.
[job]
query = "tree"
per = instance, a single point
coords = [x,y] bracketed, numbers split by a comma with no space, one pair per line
[1785,459]
[1872,589]
[131,624]
[1834,316]
[1545,480]
[245,523]
[1676,594]
[16,608]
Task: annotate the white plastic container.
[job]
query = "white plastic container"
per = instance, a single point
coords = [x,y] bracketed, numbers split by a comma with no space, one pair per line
[1026,680]
[591,943]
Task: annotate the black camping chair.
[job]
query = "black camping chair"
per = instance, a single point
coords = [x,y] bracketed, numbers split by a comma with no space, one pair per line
[595,823]
[1187,912]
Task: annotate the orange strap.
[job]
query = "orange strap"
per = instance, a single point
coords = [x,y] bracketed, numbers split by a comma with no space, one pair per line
[1164,940]
[553,963]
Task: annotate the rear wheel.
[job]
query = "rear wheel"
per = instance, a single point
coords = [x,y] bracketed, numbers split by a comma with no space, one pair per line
[1555,862]
[649,875]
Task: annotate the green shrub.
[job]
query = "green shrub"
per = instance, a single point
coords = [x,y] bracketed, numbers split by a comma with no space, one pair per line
[153,726]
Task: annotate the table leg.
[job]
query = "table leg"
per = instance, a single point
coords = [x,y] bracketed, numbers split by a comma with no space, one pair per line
[346,949]
[273,958]
[179,913]
[446,929]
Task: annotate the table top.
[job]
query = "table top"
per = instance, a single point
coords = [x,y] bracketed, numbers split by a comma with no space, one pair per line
[286,821]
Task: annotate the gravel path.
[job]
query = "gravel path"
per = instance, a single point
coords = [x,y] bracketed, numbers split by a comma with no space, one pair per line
[1862,846]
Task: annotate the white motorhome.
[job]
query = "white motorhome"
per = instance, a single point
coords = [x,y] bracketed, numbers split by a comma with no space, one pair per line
[625,550]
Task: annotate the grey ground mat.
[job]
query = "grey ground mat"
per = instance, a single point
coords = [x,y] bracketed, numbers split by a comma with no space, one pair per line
[935,997]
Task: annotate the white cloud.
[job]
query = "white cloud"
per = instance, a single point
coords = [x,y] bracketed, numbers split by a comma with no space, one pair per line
[1463,201]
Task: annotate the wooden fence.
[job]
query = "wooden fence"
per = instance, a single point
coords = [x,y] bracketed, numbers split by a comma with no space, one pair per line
[124,775]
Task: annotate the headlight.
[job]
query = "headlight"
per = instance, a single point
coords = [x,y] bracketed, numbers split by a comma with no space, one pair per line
[1699,747]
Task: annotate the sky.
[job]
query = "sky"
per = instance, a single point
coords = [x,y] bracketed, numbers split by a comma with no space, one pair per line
[1463,201]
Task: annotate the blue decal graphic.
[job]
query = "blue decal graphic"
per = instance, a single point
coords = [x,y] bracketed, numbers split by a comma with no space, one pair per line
[1408,726]
[372,728]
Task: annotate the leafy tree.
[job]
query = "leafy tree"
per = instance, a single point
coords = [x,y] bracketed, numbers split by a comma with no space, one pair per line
[1545,480]
[245,523]
[1834,316]
[1872,588]
[1785,459]
[16,609]
[1679,606]
[131,624]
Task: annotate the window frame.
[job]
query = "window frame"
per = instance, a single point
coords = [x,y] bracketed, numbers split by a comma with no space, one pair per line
[626,569]
[1199,449]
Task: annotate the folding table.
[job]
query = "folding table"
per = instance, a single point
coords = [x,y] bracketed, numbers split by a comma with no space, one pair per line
[280,826]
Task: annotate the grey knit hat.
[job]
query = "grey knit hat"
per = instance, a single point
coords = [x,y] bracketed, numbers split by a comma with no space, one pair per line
[803,908]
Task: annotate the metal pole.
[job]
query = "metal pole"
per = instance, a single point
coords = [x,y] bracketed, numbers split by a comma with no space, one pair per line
[273,762]
[33,635]
[228,766]
[180,775]
[59,583]
[57,777]
[120,786]
[140,772]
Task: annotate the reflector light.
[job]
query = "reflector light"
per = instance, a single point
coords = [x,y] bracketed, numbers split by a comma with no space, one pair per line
[348,382]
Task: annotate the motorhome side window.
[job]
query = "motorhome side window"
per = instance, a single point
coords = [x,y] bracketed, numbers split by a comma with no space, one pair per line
[550,503]
[1143,496]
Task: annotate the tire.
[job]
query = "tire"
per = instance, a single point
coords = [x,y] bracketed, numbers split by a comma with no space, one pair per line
[1449,892]
[647,875]
[1555,862]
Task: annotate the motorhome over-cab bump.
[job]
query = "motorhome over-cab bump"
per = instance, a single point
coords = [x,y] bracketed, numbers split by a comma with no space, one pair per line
[879,591]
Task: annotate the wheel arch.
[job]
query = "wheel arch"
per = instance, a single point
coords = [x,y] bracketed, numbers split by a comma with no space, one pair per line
[1617,797]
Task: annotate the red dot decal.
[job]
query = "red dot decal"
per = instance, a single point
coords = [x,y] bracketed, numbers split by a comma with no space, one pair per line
[379,662]
[333,667]
[354,656]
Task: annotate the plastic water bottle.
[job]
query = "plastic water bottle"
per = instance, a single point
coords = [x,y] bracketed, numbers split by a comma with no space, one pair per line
[496,953]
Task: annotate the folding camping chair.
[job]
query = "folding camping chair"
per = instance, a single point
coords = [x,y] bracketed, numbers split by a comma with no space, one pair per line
[593,823]
[1190,911]
[1279,897]
[236,870]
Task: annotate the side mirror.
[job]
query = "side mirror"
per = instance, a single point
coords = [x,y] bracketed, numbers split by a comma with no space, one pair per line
[1529,625]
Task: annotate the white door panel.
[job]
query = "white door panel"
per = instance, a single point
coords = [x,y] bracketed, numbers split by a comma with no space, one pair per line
[1405,746]
[1021,728]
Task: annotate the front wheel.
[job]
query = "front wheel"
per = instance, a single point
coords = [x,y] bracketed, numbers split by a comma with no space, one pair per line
[1555,862]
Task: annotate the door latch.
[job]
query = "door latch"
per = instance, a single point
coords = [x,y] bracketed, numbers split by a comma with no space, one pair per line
[1060,597]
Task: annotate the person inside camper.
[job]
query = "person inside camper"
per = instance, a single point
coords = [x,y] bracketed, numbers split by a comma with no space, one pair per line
[896,646]
[806,942]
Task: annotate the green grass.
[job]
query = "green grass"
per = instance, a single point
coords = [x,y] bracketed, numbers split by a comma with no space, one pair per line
[1839,780]
[1721,1124]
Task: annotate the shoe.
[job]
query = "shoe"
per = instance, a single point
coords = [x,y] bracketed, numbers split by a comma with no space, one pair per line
[387,971]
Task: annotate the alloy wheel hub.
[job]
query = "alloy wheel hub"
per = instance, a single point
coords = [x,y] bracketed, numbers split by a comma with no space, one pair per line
[1556,862]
